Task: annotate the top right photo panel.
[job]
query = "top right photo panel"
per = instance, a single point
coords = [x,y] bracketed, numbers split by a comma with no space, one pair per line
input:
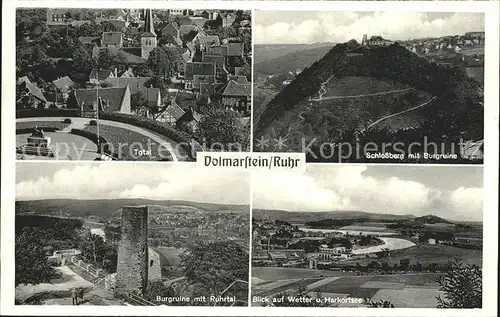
[370,87]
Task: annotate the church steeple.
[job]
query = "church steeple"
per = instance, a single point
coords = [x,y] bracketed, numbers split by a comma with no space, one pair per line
[148,38]
[149,27]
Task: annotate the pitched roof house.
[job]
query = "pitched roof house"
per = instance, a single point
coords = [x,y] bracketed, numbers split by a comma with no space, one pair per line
[64,84]
[197,68]
[112,39]
[115,99]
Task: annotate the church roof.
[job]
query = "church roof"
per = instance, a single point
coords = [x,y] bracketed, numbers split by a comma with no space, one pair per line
[149,28]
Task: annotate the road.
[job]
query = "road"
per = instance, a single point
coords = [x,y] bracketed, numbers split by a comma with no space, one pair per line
[79,123]
[402,112]
[360,96]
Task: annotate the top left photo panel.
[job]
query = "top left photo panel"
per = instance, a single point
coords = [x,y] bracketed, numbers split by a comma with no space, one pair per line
[132,84]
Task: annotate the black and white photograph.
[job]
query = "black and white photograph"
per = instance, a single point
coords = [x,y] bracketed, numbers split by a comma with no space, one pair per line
[131,84]
[89,234]
[368,236]
[370,87]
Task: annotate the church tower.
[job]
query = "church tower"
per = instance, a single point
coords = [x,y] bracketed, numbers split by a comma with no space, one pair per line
[148,38]
[365,40]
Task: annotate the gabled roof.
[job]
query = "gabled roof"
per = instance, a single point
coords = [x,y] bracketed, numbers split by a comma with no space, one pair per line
[185,29]
[174,110]
[102,73]
[111,99]
[123,55]
[111,38]
[197,68]
[134,83]
[64,84]
[32,89]
[191,115]
[88,39]
[234,49]
[190,35]
[199,79]
[217,50]
[238,79]
[232,88]
[186,56]
[199,21]
[215,59]
[23,79]
[209,40]
[191,47]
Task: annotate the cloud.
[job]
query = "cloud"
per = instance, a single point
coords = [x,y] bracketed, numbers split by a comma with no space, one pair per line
[344,26]
[325,188]
[149,181]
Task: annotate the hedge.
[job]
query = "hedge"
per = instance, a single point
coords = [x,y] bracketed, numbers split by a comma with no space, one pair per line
[30,113]
[30,130]
[104,146]
[149,124]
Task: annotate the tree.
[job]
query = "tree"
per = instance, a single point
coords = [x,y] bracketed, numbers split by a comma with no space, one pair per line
[462,286]
[82,60]
[223,127]
[31,262]
[105,59]
[138,100]
[211,267]
[95,250]
[157,288]
[381,304]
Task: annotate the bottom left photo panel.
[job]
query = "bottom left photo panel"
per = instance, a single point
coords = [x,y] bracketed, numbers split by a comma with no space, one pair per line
[142,234]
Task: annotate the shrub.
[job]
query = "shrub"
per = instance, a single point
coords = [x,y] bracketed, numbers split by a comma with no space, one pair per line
[177,136]
[103,146]
[30,113]
[93,122]
[67,120]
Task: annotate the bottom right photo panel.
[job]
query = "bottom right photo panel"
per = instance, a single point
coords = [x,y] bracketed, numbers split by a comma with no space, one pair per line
[368,236]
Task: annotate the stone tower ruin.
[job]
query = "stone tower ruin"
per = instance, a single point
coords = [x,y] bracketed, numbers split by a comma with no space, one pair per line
[365,40]
[132,268]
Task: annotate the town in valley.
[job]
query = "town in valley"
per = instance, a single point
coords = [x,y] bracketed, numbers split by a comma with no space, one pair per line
[131,84]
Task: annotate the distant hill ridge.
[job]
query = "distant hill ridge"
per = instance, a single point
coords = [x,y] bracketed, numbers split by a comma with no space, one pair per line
[458,96]
[321,215]
[107,207]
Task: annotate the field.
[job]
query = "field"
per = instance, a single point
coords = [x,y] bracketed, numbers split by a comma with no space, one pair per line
[280,273]
[403,290]
[427,253]
[125,142]
[473,51]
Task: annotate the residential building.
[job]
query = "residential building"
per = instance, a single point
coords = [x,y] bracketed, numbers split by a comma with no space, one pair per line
[114,99]
[112,39]
[64,86]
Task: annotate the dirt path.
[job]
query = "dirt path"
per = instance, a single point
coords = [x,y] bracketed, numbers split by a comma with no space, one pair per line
[362,96]
[402,112]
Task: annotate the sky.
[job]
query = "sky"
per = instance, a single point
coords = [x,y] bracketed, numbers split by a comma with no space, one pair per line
[299,27]
[453,193]
[157,181]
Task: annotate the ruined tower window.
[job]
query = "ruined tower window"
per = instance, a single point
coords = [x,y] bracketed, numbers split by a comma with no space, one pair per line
[151,263]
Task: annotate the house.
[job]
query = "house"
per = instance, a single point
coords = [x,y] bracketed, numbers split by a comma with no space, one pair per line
[234,49]
[114,99]
[30,94]
[98,76]
[171,114]
[228,19]
[198,68]
[89,40]
[218,60]
[236,96]
[112,39]
[217,50]
[64,85]
[207,40]
[177,12]
[189,121]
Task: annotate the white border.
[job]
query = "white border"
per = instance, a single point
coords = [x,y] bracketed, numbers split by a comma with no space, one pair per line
[491,9]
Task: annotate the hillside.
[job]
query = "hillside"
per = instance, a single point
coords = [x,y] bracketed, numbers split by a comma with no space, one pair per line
[266,52]
[291,61]
[106,207]
[454,110]
[298,216]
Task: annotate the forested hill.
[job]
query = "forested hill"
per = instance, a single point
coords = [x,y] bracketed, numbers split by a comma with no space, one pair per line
[458,96]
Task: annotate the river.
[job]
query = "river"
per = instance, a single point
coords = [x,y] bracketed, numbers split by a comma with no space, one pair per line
[389,243]
[351,232]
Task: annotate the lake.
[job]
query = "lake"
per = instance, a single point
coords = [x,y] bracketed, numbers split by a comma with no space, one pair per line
[389,243]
